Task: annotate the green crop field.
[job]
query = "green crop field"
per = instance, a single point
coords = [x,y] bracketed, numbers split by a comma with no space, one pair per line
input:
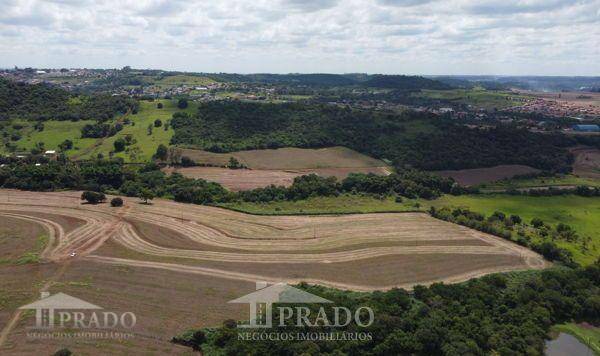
[145,145]
[582,213]
[479,97]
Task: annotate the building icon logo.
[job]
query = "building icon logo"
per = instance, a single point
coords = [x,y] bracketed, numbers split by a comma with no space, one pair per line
[46,305]
[64,311]
[261,302]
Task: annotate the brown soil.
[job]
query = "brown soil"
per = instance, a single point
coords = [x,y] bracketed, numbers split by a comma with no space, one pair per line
[587,162]
[176,265]
[289,158]
[17,236]
[247,179]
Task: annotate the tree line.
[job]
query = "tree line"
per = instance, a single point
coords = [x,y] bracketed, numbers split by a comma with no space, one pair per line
[114,176]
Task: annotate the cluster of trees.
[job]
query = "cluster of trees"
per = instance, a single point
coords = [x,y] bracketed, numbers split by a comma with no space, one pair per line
[99,130]
[581,190]
[113,175]
[409,183]
[538,236]
[44,102]
[497,314]
[408,139]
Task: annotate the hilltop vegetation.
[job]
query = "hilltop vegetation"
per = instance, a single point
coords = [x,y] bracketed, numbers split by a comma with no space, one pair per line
[408,139]
[404,82]
[43,102]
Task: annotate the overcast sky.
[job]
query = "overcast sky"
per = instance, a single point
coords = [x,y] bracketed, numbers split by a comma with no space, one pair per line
[510,37]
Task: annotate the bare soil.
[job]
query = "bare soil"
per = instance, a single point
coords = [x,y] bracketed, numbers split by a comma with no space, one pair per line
[176,265]
[289,158]
[587,162]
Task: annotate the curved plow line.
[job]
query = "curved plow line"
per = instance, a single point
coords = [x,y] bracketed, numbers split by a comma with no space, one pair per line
[255,277]
[130,239]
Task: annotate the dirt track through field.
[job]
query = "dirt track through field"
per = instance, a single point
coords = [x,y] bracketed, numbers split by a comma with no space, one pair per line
[224,236]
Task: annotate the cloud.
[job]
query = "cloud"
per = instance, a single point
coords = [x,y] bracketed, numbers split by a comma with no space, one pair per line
[496,7]
[308,5]
[404,3]
[161,8]
[393,36]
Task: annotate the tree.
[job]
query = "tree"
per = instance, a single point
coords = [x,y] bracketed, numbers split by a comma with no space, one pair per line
[119,145]
[234,163]
[182,103]
[537,222]
[66,145]
[157,123]
[187,162]
[146,194]
[161,152]
[159,105]
[116,202]
[93,197]
[174,155]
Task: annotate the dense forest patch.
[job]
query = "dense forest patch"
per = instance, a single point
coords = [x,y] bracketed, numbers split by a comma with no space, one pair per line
[408,139]
[43,102]
[508,314]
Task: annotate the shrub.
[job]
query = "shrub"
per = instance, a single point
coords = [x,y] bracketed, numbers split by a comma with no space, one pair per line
[93,197]
[187,162]
[182,103]
[157,123]
[537,222]
[116,202]
[119,145]
[159,105]
[146,194]
[161,152]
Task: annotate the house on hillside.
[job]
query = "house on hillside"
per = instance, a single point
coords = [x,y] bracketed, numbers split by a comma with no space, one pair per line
[51,154]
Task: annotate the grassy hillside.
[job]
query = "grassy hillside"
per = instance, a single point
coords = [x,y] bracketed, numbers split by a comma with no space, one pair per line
[54,133]
[145,145]
[183,79]
[581,213]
